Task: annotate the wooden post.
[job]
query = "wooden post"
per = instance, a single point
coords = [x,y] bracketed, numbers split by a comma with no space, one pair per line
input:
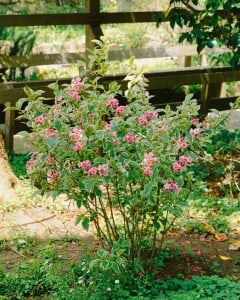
[203,60]
[92,31]
[209,91]
[9,125]
[187,61]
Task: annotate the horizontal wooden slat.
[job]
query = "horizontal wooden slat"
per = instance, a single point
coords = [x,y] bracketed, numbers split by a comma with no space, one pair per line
[15,90]
[40,59]
[186,76]
[69,58]
[12,91]
[88,18]
[77,19]
[168,51]
[221,103]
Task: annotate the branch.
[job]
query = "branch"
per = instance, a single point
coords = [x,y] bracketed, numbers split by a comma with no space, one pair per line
[190,7]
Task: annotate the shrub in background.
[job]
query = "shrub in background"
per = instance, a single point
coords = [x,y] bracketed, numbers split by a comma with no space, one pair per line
[127,165]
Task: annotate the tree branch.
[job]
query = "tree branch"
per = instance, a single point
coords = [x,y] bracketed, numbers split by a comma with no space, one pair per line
[190,7]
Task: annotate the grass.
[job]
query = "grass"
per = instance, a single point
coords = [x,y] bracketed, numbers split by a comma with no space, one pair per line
[60,269]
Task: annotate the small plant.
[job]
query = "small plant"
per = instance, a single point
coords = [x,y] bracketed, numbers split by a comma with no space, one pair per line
[128,165]
[18,163]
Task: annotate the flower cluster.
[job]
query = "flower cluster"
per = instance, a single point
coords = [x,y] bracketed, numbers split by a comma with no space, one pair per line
[171,186]
[114,103]
[76,135]
[148,162]
[102,169]
[182,161]
[77,84]
[183,144]
[130,138]
[40,119]
[50,133]
[52,176]
[143,120]
[31,162]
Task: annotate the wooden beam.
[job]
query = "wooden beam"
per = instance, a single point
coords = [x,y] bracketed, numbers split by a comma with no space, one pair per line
[69,58]
[93,18]
[40,59]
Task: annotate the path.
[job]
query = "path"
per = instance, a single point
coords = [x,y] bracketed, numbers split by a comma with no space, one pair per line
[41,218]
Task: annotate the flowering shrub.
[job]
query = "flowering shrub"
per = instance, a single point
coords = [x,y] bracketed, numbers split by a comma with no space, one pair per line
[128,165]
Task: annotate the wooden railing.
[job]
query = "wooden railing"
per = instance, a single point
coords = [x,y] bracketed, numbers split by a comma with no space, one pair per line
[211,79]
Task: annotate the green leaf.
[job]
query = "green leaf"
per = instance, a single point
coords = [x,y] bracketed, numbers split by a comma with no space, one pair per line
[78,219]
[52,143]
[89,186]
[156,225]
[102,253]
[53,86]
[115,267]
[58,125]
[85,223]
[105,264]
[100,160]
[20,102]
[28,91]
[147,190]
[93,263]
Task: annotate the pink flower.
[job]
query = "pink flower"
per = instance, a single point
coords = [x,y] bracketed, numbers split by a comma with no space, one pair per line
[30,164]
[75,96]
[206,126]
[129,138]
[113,103]
[183,144]
[56,109]
[150,114]
[171,186]
[49,160]
[143,121]
[115,137]
[147,171]
[119,110]
[77,84]
[107,126]
[58,100]
[78,146]
[149,159]
[51,133]
[183,160]
[92,171]
[86,165]
[194,131]
[90,116]
[40,119]
[79,120]
[52,176]
[164,126]
[176,166]
[76,134]
[103,170]
[195,121]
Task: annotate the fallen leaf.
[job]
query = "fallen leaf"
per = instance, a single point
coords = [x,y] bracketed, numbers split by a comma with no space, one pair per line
[225,257]
[235,246]
[209,229]
[221,237]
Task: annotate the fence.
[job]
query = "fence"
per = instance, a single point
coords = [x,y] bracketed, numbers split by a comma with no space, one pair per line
[211,79]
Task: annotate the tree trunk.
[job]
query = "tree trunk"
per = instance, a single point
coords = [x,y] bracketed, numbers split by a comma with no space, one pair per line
[8,181]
